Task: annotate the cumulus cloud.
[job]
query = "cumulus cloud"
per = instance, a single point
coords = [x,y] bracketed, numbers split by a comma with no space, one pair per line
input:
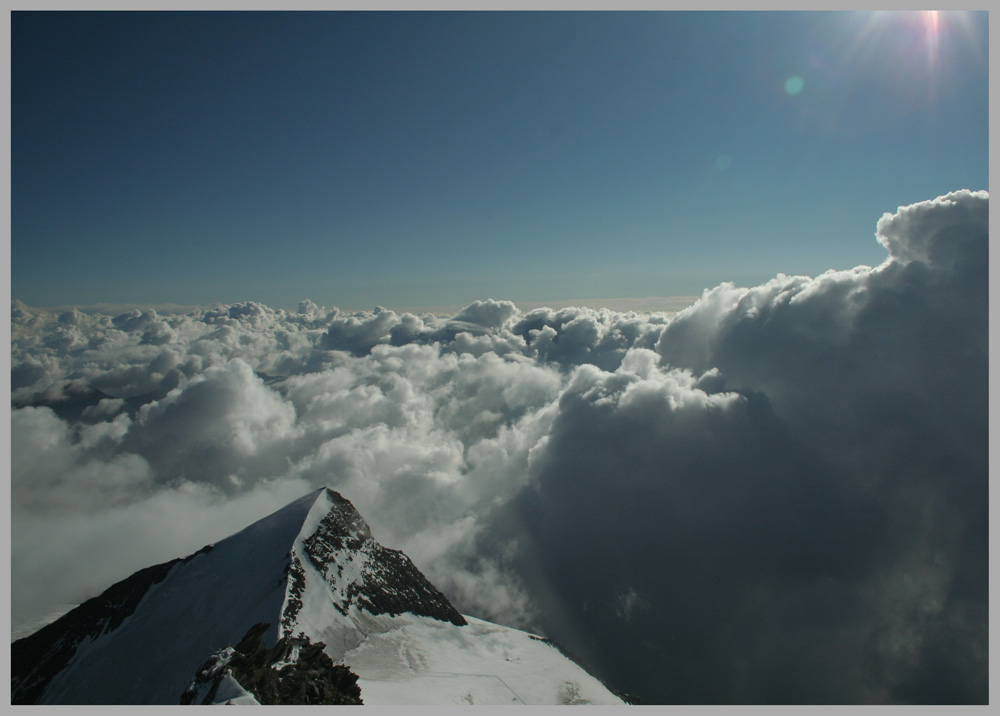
[229,423]
[489,313]
[781,527]
[776,495]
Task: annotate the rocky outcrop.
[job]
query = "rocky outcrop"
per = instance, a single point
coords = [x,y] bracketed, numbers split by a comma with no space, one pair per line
[293,598]
[389,583]
[293,672]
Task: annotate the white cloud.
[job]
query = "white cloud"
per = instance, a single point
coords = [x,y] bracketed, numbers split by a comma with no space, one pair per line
[792,476]
[941,232]
[105,407]
[488,313]
[222,422]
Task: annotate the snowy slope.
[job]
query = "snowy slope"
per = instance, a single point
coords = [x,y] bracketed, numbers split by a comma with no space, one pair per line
[424,661]
[200,606]
[310,570]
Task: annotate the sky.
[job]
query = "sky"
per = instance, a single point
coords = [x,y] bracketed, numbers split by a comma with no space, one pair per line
[409,160]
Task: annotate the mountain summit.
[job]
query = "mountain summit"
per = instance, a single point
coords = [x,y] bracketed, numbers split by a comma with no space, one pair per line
[318,611]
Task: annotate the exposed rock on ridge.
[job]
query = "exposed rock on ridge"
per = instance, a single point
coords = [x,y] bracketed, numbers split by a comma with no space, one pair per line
[384,581]
[293,672]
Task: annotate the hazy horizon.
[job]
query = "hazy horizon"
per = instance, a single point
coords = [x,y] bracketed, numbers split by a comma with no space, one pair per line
[655,304]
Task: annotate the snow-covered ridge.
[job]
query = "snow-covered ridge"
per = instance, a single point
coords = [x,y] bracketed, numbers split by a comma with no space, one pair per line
[362,573]
[310,573]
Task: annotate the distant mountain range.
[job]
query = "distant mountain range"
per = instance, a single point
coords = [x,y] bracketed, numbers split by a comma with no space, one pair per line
[301,607]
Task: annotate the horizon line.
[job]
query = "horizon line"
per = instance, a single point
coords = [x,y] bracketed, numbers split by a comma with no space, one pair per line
[647,304]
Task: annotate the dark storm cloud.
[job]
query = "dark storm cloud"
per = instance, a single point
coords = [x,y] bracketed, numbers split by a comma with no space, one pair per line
[700,506]
[822,538]
[777,495]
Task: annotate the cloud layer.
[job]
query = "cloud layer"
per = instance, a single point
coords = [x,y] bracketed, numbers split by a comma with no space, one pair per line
[777,495]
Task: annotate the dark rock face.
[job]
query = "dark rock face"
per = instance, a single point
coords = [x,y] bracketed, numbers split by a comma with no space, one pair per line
[296,583]
[392,585]
[342,528]
[312,679]
[36,659]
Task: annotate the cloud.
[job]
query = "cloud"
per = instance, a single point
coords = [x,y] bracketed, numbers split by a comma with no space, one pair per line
[650,485]
[805,480]
[778,494]
[628,603]
[946,233]
[232,428]
[489,313]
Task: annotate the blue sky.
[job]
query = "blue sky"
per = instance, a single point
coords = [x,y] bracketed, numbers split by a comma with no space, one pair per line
[418,159]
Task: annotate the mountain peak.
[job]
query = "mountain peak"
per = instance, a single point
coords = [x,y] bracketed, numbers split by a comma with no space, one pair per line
[341,521]
[308,578]
[359,572]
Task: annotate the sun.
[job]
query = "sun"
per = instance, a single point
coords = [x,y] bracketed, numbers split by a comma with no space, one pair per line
[931,19]
[920,31]
[932,30]
[916,38]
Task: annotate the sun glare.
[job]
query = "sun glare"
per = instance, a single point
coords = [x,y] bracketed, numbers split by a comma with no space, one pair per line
[924,39]
[931,33]
[931,21]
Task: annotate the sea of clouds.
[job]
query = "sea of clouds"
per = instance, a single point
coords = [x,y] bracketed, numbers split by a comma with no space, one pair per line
[779,494]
